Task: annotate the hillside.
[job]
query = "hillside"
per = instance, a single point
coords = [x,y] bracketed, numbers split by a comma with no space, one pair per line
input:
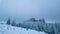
[8,29]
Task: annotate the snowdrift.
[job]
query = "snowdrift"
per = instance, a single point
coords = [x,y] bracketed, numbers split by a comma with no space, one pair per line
[8,29]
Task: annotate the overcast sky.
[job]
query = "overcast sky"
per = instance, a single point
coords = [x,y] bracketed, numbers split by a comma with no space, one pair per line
[25,9]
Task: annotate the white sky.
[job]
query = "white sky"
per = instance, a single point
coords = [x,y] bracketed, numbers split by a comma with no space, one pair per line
[25,9]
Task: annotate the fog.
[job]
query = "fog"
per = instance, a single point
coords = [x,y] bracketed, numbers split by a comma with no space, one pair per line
[25,9]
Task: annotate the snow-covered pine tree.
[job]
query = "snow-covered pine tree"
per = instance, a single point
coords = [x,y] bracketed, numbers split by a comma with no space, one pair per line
[13,23]
[56,31]
[32,19]
[8,21]
[19,25]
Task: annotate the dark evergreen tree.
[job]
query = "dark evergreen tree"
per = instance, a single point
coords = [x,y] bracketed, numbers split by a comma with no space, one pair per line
[13,23]
[40,20]
[8,21]
[33,19]
[18,25]
[43,20]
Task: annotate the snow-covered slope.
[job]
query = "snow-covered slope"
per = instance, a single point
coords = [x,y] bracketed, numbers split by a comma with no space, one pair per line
[8,29]
[2,22]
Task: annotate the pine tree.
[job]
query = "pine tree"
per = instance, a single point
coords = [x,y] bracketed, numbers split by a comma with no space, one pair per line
[8,21]
[33,19]
[43,20]
[13,23]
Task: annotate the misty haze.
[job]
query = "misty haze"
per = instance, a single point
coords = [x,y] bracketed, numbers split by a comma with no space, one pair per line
[25,9]
[30,15]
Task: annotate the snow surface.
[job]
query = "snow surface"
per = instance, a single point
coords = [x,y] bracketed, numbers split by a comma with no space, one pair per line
[8,29]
